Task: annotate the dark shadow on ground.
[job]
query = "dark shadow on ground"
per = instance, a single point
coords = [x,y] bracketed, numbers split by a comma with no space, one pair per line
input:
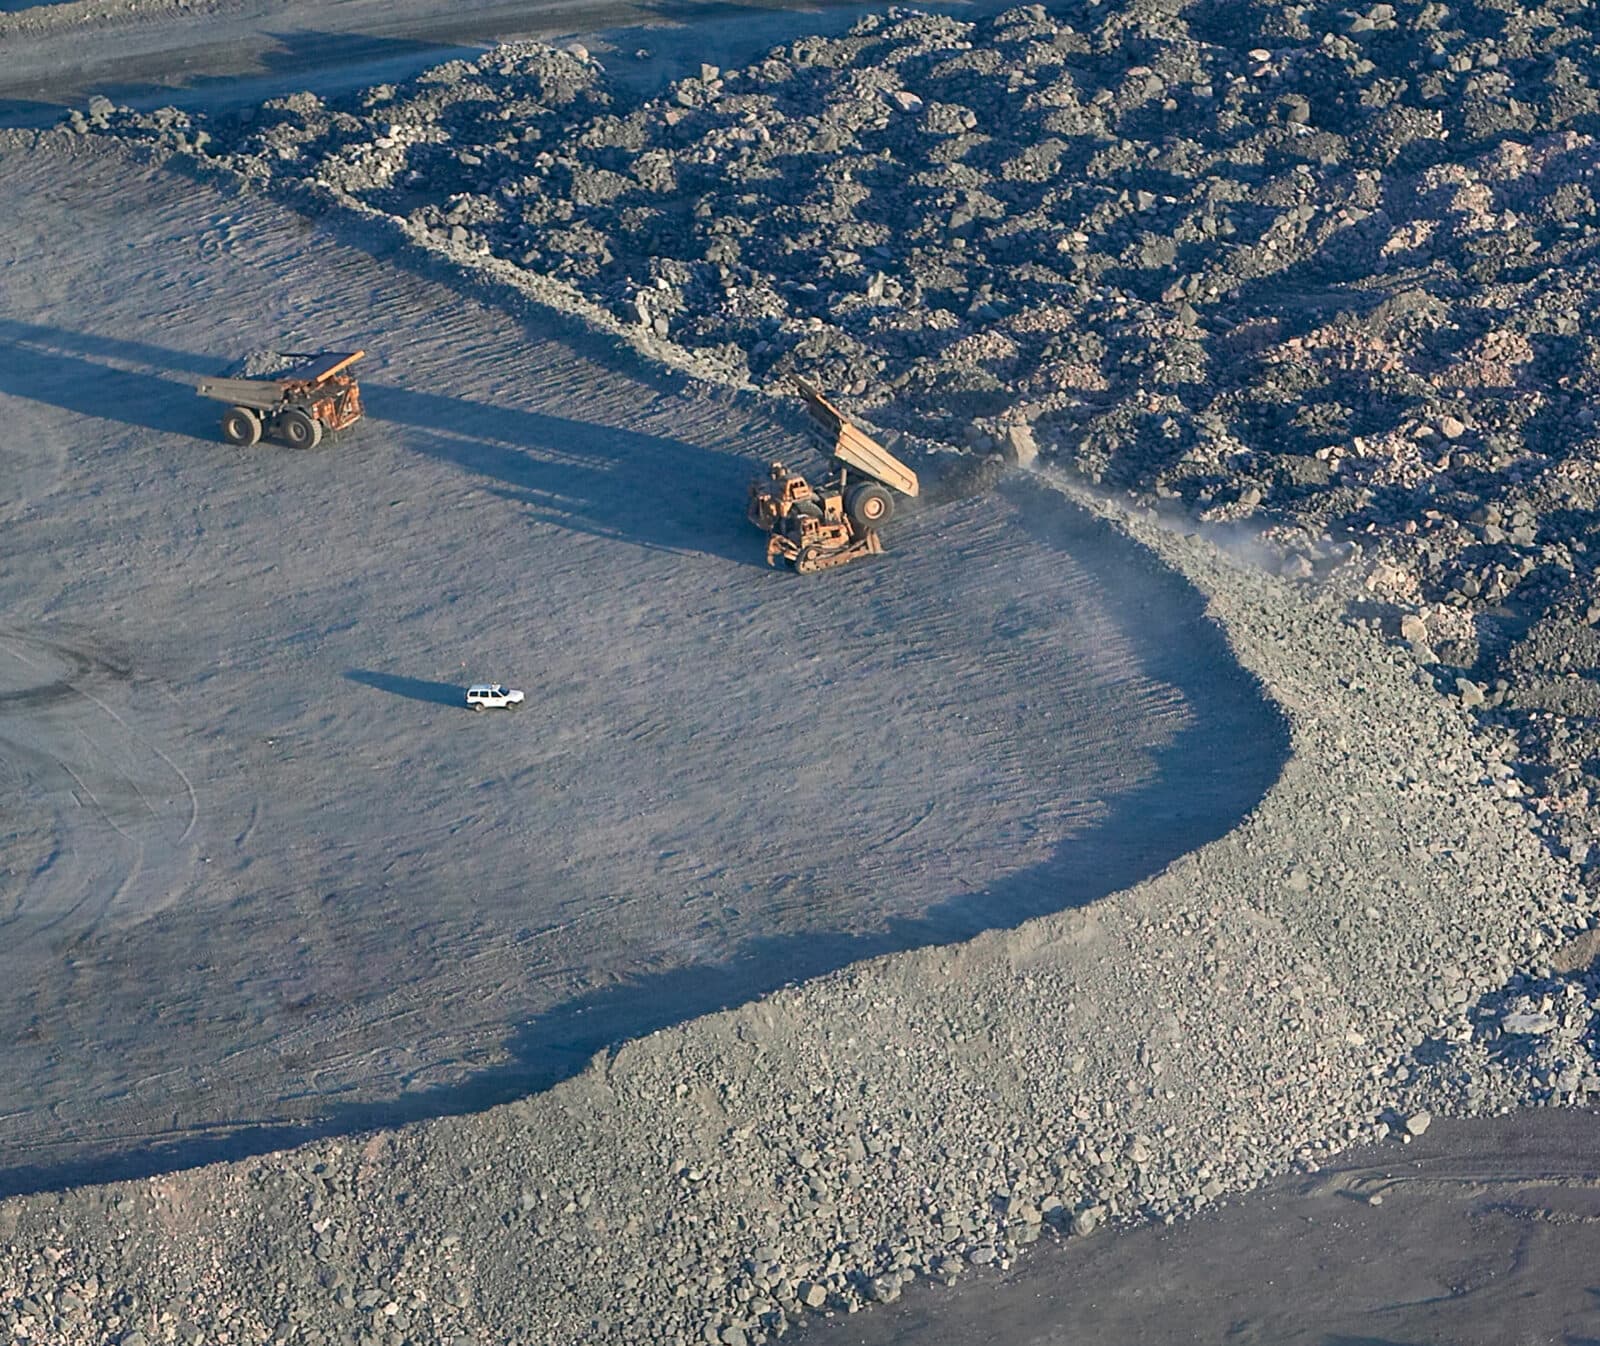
[34,365]
[648,490]
[28,112]
[414,689]
[1206,780]
[1342,1340]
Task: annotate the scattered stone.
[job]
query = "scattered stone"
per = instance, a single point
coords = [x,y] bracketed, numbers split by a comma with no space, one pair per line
[1528,1023]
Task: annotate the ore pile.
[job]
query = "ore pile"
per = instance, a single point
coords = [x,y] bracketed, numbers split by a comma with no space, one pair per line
[1326,271]
[1312,273]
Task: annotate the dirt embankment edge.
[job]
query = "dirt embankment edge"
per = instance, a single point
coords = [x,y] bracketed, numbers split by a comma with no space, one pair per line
[1243,1013]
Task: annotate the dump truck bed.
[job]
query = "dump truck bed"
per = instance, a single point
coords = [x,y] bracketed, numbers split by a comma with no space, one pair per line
[854,447]
[263,393]
[319,365]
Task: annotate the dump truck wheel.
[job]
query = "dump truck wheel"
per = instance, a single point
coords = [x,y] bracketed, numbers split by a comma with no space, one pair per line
[300,430]
[241,426]
[869,505]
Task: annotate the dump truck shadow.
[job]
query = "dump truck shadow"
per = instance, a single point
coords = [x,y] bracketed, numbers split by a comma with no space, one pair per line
[583,476]
[580,475]
[42,364]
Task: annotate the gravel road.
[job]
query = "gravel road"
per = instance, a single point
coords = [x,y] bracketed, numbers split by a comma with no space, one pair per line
[206,54]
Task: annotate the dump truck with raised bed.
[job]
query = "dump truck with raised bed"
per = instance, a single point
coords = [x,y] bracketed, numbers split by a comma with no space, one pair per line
[296,405]
[815,527]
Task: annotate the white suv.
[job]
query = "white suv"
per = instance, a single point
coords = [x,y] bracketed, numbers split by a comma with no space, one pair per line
[491,695]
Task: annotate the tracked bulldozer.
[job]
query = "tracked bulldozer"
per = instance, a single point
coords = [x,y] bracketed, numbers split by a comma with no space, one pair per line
[816,527]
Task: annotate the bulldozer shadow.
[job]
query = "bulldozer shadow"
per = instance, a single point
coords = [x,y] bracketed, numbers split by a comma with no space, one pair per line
[657,493]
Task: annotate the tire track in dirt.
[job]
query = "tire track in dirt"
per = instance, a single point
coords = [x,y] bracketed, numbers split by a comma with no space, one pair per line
[728,779]
[64,742]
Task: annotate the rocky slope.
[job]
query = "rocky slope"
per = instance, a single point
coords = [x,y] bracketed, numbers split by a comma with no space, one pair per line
[1316,282]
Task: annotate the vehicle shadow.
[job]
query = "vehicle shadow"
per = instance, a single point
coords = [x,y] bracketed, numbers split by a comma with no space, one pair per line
[1208,777]
[39,365]
[414,689]
[585,476]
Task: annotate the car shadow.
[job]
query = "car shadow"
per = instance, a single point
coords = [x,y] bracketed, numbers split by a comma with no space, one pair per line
[413,689]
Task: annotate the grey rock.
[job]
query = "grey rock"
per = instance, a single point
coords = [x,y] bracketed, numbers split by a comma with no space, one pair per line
[1528,1023]
[1018,446]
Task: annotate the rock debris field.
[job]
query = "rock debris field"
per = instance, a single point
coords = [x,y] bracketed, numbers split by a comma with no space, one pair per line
[1300,298]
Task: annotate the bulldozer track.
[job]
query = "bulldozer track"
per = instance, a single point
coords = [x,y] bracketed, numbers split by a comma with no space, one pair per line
[826,560]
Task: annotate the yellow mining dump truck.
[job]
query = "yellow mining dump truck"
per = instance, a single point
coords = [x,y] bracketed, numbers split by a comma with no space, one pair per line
[296,405]
[816,527]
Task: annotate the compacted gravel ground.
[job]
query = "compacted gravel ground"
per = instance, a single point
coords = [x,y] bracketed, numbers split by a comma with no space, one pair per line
[1299,298]
[1317,978]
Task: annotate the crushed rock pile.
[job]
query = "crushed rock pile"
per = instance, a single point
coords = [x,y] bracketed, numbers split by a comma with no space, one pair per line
[1329,269]
[1320,272]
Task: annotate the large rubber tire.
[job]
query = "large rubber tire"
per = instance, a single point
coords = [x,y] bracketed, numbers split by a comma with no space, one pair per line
[241,426]
[869,505]
[477,705]
[299,429]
